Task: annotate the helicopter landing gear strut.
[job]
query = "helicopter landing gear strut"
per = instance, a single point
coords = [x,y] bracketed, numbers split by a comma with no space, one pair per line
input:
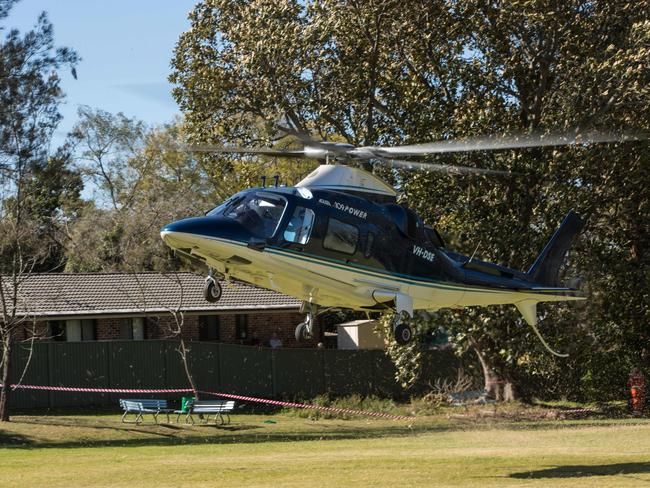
[212,289]
[401,331]
[305,329]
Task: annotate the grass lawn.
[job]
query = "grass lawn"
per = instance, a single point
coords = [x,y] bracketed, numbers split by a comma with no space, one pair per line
[286,450]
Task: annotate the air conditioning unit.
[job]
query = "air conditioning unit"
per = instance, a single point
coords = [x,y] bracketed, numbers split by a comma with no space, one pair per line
[359,334]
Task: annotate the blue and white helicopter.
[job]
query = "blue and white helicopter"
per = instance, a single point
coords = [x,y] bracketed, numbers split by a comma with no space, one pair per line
[339,238]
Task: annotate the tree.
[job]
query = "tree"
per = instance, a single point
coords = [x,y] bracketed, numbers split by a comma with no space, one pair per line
[378,73]
[30,95]
[142,182]
[575,64]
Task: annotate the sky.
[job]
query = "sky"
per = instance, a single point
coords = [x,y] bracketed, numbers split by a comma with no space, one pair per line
[125,46]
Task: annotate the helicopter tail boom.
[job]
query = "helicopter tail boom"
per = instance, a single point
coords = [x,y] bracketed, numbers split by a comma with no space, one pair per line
[546,267]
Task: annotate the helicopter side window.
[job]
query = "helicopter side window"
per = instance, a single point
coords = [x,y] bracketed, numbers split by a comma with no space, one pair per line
[341,237]
[299,226]
[259,213]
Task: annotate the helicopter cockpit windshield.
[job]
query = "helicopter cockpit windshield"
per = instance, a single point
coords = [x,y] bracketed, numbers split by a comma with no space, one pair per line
[260,213]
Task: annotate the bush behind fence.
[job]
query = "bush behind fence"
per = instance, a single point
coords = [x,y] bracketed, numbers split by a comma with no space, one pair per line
[244,370]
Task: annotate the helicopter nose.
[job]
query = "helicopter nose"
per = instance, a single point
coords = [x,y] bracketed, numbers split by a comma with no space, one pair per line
[182,233]
[191,232]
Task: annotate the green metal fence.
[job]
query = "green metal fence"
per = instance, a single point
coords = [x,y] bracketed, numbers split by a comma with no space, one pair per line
[269,373]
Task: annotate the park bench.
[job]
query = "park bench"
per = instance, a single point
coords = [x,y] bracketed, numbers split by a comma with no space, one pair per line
[140,407]
[206,408]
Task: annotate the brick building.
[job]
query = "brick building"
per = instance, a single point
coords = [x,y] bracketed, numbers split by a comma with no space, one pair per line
[140,306]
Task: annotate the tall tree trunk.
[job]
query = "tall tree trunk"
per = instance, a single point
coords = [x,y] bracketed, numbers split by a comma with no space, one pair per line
[6,389]
[183,353]
[497,385]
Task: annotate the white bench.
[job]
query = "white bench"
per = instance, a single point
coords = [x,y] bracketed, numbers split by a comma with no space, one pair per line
[140,407]
[206,408]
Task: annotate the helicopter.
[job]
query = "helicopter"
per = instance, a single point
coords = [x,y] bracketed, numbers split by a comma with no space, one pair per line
[340,239]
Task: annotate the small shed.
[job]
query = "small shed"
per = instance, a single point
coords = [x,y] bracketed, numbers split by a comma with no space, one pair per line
[359,334]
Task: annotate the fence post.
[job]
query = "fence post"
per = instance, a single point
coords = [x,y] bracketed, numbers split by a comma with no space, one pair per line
[321,353]
[274,387]
[109,354]
[166,345]
[220,363]
[48,356]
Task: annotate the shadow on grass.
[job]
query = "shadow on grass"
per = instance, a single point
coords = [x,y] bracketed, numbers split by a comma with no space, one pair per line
[10,439]
[583,471]
[223,434]
[247,432]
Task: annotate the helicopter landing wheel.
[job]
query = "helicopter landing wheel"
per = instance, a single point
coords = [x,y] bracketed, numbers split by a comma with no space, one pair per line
[302,332]
[403,334]
[212,290]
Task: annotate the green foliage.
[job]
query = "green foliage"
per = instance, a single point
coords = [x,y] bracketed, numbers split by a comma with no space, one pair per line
[407,358]
[39,192]
[351,402]
[142,182]
[36,191]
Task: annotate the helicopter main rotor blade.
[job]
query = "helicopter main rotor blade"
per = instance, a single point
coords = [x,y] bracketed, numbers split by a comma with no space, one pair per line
[208,148]
[443,168]
[494,143]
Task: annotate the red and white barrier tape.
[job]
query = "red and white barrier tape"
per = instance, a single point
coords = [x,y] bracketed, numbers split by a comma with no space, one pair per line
[578,411]
[214,393]
[99,390]
[308,406]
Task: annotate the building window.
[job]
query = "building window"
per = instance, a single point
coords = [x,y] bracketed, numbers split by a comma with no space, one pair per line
[88,330]
[341,237]
[138,328]
[299,226]
[73,330]
[132,329]
[79,330]
[241,326]
[56,330]
[209,328]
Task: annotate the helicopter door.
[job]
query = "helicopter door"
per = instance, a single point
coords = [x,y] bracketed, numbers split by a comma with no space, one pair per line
[299,227]
[341,238]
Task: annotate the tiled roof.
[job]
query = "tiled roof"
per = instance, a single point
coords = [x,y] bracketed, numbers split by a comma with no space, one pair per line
[66,294]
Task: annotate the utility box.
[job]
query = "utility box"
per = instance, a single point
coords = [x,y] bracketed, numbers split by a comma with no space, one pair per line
[359,334]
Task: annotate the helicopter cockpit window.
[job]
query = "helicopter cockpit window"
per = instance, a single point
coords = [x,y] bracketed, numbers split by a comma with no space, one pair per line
[299,226]
[341,237]
[219,208]
[259,213]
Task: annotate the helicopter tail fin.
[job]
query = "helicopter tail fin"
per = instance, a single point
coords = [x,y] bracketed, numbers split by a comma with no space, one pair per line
[547,265]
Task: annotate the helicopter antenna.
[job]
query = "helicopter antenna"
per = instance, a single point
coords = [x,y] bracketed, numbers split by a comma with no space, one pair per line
[276,179]
[263,181]
[474,253]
